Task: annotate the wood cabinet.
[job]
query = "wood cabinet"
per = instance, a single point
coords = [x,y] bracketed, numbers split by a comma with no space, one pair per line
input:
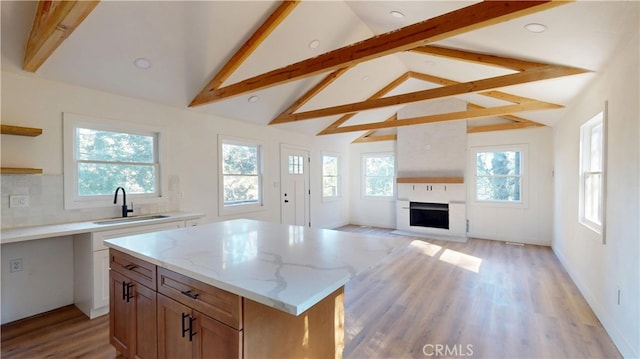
[91,266]
[133,326]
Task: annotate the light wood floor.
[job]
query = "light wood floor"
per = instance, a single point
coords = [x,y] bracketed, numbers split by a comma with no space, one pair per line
[481,299]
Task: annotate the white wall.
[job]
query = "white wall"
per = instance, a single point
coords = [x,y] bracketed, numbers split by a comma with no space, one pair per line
[599,270]
[531,222]
[368,211]
[191,160]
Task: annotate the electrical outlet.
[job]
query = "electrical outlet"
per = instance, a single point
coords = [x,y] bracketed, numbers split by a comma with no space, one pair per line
[15,265]
[19,201]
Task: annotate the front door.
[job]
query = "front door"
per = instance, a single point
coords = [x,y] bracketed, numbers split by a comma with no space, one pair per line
[294,186]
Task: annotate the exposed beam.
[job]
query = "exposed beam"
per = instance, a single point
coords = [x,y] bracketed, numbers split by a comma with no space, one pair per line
[378,138]
[461,115]
[492,60]
[53,23]
[368,136]
[536,74]
[509,117]
[311,93]
[438,28]
[503,127]
[385,90]
[251,44]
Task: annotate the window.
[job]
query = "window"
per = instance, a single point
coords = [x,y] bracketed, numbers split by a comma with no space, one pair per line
[241,175]
[296,165]
[103,155]
[498,175]
[379,174]
[330,176]
[592,173]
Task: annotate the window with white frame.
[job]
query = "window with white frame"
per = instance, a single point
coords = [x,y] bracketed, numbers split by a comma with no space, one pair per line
[330,176]
[101,155]
[241,174]
[499,174]
[379,172]
[592,173]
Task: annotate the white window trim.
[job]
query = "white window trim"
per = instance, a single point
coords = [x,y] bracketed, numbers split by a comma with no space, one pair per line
[524,176]
[363,175]
[223,209]
[72,121]
[600,118]
[338,177]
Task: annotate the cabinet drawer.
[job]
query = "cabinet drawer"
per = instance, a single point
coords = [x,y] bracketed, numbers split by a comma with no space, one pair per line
[217,303]
[134,268]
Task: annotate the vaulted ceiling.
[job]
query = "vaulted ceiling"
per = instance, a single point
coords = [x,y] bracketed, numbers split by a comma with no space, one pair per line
[327,67]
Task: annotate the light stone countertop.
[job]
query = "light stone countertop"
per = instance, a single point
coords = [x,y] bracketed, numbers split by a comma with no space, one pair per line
[13,235]
[289,268]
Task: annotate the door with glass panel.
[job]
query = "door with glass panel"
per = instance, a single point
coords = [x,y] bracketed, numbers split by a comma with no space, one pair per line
[294,186]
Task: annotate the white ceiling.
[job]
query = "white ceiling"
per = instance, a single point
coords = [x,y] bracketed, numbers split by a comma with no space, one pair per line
[189,41]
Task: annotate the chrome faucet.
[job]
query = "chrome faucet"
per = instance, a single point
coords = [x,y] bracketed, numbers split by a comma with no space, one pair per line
[125,210]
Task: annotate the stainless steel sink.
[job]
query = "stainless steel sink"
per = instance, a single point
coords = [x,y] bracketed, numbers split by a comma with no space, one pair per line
[131,219]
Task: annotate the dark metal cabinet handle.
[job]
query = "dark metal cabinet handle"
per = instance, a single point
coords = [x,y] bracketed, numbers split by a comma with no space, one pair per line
[184,329]
[190,294]
[124,290]
[130,266]
[129,296]
[191,332]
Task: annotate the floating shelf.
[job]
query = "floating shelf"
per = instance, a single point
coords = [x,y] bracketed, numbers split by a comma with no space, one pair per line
[20,171]
[20,131]
[430,180]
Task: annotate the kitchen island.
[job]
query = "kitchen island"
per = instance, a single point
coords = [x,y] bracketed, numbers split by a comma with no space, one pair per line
[239,288]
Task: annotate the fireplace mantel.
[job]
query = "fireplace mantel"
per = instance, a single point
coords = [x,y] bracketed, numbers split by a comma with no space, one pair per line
[430,180]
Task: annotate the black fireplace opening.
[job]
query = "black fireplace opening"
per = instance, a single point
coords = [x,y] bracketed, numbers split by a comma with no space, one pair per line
[433,215]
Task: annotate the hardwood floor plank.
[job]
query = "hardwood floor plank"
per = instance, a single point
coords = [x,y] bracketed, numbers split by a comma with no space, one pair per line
[500,301]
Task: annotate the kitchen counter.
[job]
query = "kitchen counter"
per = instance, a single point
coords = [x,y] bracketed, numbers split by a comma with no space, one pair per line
[289,268]
[21,234]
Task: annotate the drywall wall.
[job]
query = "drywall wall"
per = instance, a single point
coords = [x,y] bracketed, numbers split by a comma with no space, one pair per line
[605,272]
[531,221]
[190,161]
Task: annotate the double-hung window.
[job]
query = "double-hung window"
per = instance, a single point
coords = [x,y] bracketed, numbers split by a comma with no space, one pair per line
[379,173]
[330,176]
[240,175]
[499,175]
[102,155]
[592,173]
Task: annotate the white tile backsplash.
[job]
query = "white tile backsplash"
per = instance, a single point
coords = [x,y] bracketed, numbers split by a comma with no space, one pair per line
[46,202]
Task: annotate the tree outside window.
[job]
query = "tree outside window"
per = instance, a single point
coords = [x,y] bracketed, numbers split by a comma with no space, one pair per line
[379,175]
[241,173]
[330,176]
[499,176]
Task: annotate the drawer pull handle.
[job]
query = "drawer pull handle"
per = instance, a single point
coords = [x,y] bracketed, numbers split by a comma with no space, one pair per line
[190,294]
[130,267]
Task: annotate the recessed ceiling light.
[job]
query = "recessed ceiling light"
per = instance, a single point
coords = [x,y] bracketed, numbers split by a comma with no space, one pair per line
[314,44]
[253,99]
[396,14]
[142,63]
[535,28]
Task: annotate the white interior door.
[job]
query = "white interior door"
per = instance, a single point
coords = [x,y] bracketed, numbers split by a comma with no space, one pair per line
[294,186]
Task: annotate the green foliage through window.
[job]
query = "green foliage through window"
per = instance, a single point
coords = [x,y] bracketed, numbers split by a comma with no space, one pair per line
[107,159]
[379,175]
[241,173]
[330,179]
[498,176]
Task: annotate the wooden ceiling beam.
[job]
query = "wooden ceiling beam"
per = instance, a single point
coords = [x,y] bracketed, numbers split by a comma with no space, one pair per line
[281,13]
[461,115]
[503,127]
[536,74]
[438,28]
[311,93]
[53,23]
[471,106]
[368,136]
[468,56]
[385,90]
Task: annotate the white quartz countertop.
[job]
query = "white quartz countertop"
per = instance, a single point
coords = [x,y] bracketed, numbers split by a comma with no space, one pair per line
[290,268]
[21,234]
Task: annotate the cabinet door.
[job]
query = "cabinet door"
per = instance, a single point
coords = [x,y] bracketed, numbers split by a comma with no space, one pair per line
[145,332]
[121,320]
[214,339]
[101,278]
[173,324]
